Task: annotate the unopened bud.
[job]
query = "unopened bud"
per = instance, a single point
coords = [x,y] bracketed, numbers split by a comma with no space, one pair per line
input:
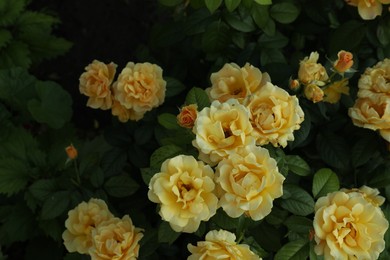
[71,151]
[294,84]
[344,61]
[187,116]
[314,93]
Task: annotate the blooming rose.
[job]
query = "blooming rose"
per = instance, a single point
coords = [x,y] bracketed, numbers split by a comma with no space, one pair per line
[370,9]
[373,113]
[344,61]
[140,88]
[235,82]
[332,93]
[347,226]
[220,245]
[370,194]
[96,84]
[248,182]
[375,80]
[115,239]
[274,115]
[80,223]
[220,129]
[123,113]
[312,72]
[187,116]
[184,188]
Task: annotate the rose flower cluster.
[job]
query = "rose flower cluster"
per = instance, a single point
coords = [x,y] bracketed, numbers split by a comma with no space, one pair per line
[317,84]
[139,88]
[92,229]
[372,107]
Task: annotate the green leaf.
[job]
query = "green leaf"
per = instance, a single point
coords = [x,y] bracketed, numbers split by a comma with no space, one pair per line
[199,97]
[383,32]
[347,37]
[284,12]
[232,4]
[168,121]
[5,37]
[53,106]
[166,234]
[297,165]
[275,41]
[224,221]
[363,149]
[325,181]
[113,161]
[294,250]
[264,2]
[163,153]
[14,175]
[96,177]
[333,149]
[170,2]
[297,200]
[55,205]
[15,54]
[260,15]
[147,174]
[271,56]
[240,23]
[10,11]
[121,186]
[216,37]
[299,224]
[42,189]
[300,136]
[381,177]
[312,254]
[213,5]
[174,87]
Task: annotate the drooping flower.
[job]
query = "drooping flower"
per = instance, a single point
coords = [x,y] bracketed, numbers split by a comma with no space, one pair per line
[368,9]
[220,244]
[80,223]
[96,82]
[220,129]
[140,88]
[184,188]
[274,115]
[348,226]
[115,239]
[248,183]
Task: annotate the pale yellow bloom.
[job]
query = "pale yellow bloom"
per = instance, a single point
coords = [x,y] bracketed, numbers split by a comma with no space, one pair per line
[373,113]
[370,194]
[248,183]
[375,80]
[368,9]
[235,82]
[332,93]
[116,239]
[312,72]
[96,82]
[274,115]
[123,113]
[220,245]
[80,223]
[187,116]
[220,129]
[344,61]
[184,188]
[140,87]
[314,93]
[347,226]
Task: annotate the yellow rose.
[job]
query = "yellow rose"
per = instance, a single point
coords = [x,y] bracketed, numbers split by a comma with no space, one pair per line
[184,188]
[274,115]
[347,226]
[333,91]
[220,129]
[370,194]
[123,113]
[220,245]
[375,80]
[140,88]
[368,10]
[310,71]
[248,182]
[96,82]
[80,223]
[235,82]
[314,93]
[187,116]
[372,113]
[116,239]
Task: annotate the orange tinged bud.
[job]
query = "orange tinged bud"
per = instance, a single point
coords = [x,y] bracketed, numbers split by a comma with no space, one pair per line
[314,93]
[71,151]
[187,116]
[294,84]
[344,61]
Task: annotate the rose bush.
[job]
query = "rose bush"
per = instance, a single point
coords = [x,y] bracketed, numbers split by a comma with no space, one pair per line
[230,130]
